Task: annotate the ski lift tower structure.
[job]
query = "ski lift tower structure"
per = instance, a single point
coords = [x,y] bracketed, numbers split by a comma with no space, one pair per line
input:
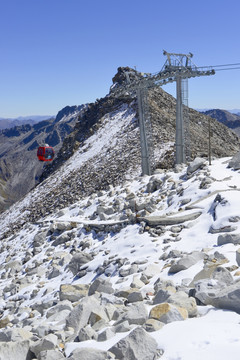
[177,68]
[183,68]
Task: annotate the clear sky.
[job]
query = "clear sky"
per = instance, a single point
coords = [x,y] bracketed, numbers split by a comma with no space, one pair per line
[55,53]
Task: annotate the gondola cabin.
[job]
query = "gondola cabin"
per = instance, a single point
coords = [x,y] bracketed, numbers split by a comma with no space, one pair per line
[45,153]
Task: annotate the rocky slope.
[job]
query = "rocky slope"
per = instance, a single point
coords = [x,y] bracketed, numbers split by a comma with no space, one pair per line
[19,167]
[82,125]
[105,277]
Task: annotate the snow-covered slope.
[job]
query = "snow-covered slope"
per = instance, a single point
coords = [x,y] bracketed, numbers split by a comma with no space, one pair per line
[151,236]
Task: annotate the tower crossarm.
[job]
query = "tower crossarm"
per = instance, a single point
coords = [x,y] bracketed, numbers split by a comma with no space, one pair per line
[168,75]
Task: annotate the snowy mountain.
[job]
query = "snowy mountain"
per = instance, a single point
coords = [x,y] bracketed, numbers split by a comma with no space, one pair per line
[143,270]
[20,170]
[99,262]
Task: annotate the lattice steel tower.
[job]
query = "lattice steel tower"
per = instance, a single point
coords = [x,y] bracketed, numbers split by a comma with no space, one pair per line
[178,67]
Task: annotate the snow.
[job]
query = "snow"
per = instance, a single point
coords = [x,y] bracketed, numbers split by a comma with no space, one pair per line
[215,334]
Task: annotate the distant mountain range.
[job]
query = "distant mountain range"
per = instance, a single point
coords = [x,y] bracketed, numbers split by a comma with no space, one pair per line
[227,118]
[19,166]
[7,123]
[233,111]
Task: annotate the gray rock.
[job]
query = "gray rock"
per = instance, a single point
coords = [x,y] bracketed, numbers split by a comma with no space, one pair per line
[164,285]
[15,350]
[15,334]
[186,262]
[197,163]
[125,271]
[89,354]
[15,266]
[151,270]
[39,238]
[222,275]
[59,317]
[87,333]
[102,286]
[228,238]
[42,306]
[238,256]
[137,283]
[135,296]
[73,292]
[213,293]
[224,229]
[138,345]
[170,220]
[136,313]
[181,299]
[163,294]
[106,334]
[235,162]
[168,313]
[77,261]
[123,327]
[62,226]
[50,355]
[154,184]
[62,239]
[56,271]
[79,316]
[153,325]
[49,342]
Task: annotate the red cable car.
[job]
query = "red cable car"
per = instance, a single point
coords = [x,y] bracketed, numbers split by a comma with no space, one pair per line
[45,153]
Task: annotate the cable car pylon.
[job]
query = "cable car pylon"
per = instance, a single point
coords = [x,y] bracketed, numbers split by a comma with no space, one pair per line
[177,68]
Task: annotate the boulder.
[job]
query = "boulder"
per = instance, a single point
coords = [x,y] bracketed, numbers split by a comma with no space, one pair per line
[153,325]
[167,313]
[77,261]
[228,239]
[123,327]
[162,295]
[50,355]
[197,163]
[135,296]
[39,238]
[19,350]
[186,262]
[212,292]
[79,316]
[61,239]
[73,292]
[49,342]
[238,256]
[106,334]
[182,300]
[15,334]
[102,286]
[235,162]
[90,354]
[138,345]
[136,313]
[154,184]
[87,333]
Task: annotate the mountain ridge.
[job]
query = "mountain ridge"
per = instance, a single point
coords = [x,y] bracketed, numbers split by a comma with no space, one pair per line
[225,117]
[19,166]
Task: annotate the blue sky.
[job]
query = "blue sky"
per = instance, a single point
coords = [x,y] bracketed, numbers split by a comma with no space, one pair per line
[55,53]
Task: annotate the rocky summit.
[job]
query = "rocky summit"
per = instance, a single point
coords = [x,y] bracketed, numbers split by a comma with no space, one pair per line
[20,170]
[100,262]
